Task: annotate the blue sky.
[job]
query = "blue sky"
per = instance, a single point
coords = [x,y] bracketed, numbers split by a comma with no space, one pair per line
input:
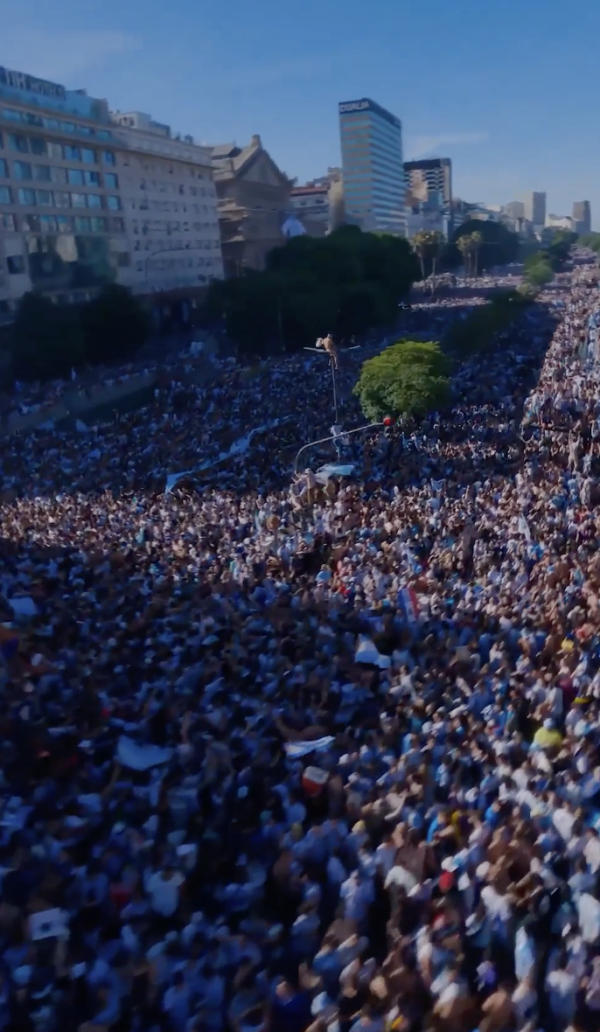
[509,91]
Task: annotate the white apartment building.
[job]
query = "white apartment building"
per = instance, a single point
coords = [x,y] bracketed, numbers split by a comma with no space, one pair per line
[169,207]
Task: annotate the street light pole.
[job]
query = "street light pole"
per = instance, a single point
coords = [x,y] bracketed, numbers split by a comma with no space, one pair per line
[164,250]
[324,440]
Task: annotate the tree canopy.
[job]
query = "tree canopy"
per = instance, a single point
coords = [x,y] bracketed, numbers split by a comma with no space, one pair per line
[346,283]
[539,273]
[48,340]
[428,246]
[478,331]
[497,244]
[591,240]
[408,378]
[114,324]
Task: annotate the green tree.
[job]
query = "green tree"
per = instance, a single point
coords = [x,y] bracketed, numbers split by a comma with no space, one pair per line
[528,291]
[114,324]
[499,245]
[428,247]
[47,339]
[539,274]
[420,245]
[476,245]
[477,333]
[408,378]
[348,282]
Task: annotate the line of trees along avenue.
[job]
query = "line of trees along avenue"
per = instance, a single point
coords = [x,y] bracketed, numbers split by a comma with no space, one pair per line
[541,266]
[347,283]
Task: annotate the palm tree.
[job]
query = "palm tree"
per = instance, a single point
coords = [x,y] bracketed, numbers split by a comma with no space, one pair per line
[436,242]
[465,247]
[420,244]
[476,242]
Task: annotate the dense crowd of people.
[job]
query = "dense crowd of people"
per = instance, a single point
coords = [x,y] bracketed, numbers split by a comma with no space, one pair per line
[282,755]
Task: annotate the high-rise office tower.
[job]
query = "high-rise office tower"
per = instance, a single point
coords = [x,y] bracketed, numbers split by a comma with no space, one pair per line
[429,181]
[535,208]
[372,164]
[582,216]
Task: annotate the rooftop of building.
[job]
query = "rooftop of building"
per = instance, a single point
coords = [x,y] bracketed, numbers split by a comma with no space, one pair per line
[24,89]
[229,159]
[309,188]
[426,163]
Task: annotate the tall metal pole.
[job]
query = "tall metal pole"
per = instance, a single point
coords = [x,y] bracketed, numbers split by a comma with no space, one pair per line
[335,404]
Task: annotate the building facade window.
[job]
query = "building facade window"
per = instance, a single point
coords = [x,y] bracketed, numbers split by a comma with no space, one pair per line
[18,143]
[88,156]
[8,222]
[98,225]
[58,175]
[113,203]
[79,200]
[22,170]
[48,223]
[3,169]
[37,146]
[42,173]
[82,224]
[111,181]
[62,199]
[54,150]
[26,196]
[71,153]
[31,223]
[94,200]
[91,178]
[108,157]
[5,195]
[75,177]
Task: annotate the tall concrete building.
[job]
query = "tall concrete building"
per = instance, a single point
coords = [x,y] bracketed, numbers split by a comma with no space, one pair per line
[582,216]
[535,207]
[373,169]
[514,210]
[429,182]
[88,198]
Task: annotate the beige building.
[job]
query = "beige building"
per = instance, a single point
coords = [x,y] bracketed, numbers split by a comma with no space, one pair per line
[169,207]
[319,205]
[87,198]
[253,202]
[60,207]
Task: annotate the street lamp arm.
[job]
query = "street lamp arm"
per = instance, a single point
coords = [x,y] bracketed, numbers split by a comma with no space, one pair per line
[324,440]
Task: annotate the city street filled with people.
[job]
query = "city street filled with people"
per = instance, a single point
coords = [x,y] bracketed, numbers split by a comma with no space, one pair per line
[285,753]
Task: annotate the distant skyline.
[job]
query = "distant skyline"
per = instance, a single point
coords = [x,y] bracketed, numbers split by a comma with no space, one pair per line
[507,92]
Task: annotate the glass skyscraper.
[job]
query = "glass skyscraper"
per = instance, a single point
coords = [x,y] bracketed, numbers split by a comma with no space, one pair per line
[373,167]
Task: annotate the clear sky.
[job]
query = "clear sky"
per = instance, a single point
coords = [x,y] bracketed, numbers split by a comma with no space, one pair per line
[508,90]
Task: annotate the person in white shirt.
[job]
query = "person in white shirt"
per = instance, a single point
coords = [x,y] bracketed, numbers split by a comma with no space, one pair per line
[562,986]
[163,889]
